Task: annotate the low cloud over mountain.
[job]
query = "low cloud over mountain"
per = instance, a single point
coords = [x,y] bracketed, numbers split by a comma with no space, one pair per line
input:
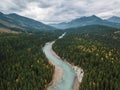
[56,11]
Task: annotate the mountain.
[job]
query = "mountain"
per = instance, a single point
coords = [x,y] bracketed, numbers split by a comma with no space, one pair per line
[84,21]
[114,19]
[23,24]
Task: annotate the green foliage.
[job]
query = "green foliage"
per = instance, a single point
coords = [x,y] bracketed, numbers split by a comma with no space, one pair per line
[23,65]
[97,52]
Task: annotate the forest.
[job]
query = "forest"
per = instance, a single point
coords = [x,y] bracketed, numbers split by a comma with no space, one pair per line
[96,50]
[23,65]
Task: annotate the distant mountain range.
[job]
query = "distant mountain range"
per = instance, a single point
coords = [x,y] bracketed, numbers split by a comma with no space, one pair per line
[16,22]
[13,22]
[91,20]
[114,19]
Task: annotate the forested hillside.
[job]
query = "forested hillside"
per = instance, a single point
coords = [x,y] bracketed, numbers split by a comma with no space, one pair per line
[18,23]
[97,50]
[23,66]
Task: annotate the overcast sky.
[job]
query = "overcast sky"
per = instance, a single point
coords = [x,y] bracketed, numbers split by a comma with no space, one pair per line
[55,11]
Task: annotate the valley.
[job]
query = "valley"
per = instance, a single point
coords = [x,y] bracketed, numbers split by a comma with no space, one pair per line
[82,54]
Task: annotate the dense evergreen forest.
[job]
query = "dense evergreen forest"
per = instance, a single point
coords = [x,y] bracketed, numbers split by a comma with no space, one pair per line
[23,66]
[97,50]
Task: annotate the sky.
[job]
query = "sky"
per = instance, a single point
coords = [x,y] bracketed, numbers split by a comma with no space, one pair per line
[56,11]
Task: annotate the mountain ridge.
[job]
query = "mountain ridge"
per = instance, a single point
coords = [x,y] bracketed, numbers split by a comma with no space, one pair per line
[84,21]
[114,19]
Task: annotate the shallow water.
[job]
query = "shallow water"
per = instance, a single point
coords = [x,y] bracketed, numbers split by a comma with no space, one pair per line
[67,81]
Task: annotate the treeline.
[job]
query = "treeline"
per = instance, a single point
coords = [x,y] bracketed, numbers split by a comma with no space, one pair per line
[23,66]
[98,53]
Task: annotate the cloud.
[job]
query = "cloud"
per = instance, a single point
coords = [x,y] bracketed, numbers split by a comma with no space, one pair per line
[55,11]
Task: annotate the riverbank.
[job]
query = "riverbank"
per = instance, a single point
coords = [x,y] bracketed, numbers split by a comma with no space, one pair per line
[76,84]
[57,76]
[79,72]
[66,76]
[79,76]
[58,72]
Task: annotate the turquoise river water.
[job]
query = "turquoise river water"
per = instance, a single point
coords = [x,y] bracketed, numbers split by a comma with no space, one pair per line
[67,81]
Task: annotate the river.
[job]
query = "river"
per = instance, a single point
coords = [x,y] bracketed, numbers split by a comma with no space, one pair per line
[68,76]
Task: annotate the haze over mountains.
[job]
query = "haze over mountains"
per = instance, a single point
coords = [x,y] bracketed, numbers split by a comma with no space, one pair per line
[91,20]
[20,23]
